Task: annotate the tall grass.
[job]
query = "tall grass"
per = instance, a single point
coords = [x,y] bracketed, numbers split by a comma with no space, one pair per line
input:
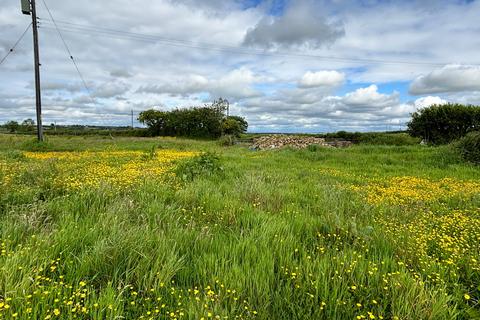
[273,235]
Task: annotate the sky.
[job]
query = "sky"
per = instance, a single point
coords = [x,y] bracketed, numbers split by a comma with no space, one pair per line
[285,65]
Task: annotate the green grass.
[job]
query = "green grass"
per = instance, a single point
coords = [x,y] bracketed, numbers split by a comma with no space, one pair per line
[264,235]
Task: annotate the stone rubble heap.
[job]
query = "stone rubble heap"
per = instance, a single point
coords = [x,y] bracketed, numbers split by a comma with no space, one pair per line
[296,142]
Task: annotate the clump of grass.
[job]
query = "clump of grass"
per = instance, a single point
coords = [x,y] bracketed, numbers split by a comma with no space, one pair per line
[14,155]
[205,165]
[315,147]
[150,154]
[35,145]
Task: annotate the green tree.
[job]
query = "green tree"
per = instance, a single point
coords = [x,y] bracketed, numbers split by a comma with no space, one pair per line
[12,126]
[469,147]
[234,125]
[155,120]
[28,125]
[440,124]
[201,122]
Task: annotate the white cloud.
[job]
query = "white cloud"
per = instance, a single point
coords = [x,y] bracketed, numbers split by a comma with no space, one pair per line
[189,84]
[369,98]
[322,79]
[359,110]
[111,89]
[450,78]
[302,24]
[425,102]
[269,89]
[237,84]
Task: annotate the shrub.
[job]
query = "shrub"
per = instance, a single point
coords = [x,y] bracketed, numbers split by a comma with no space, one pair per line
[234,125]
[12,126]
[351,136]
[441,124]
[199,122]
[28,125]
[469,147]
[226,141]
[196,122]
[37,146]
[388,139]
[206,164]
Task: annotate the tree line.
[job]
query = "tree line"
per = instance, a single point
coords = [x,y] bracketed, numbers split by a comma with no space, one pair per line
[442,124]
[451,123]
[209,121]
[27,125]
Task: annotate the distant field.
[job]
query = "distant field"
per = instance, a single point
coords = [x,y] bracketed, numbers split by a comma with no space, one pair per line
[161,228]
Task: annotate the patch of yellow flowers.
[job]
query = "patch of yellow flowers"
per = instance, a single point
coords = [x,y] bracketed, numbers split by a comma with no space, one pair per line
[66,299]
[439,237]
[409,190]
[449,239]
[89,169]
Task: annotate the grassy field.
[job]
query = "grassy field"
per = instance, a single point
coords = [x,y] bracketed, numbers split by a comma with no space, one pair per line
[143,228]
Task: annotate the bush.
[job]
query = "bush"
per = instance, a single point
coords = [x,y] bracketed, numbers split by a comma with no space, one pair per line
[234,125]
[28,125]
[37,146]
[12,126]
[206,164]
[226,141]
[442,124]
[375,138]
[196,122]
[389,139]
[469,147]
[351,136]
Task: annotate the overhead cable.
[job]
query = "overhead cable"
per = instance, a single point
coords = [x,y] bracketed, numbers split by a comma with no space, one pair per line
[16,44]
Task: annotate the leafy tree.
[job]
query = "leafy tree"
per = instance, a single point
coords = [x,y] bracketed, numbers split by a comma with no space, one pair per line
[201,122]
[28,125]
[12,126]
[469,147]
[156,121]
[242,122]
[440,124]
[234,125]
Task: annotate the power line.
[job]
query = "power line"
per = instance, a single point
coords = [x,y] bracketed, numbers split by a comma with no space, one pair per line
[69,52]
[238,50]
[115,33]
[16,43]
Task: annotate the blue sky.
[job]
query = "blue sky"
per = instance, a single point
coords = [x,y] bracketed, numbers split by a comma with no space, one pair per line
[286,66]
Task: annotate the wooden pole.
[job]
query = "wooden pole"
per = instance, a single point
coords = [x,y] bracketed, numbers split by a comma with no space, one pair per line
[36,54]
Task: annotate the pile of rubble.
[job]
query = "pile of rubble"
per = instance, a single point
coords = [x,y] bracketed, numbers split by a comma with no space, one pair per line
[296,142]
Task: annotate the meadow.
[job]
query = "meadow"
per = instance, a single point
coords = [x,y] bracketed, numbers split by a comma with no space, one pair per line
[165,228]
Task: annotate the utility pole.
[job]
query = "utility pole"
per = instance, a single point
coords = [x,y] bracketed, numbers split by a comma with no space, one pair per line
[28,6]
[132,119]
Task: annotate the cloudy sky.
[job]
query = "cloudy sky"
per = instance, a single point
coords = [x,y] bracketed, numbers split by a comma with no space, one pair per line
[285,65]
